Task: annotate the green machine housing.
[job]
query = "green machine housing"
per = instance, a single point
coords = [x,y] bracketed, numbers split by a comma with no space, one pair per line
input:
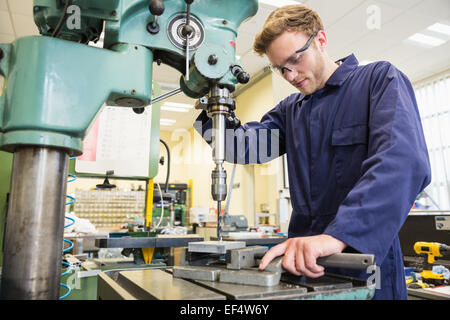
[55,85]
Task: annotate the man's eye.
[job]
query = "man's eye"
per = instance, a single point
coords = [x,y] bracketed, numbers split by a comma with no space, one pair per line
[297,58]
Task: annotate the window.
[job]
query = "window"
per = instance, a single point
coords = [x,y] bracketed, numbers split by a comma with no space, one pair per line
[433,98]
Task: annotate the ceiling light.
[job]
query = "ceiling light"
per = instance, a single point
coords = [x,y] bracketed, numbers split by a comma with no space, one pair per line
[173,109]
[176,107]
[426,40]
[440,28]
[278,3]
[167,122]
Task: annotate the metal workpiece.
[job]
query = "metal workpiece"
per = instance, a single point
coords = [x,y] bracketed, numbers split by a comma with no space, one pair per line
[215,247]
[197,273]
[160,285]
[324,283]
[198,258]
[250,277]
[244,258]
[146,242]
[35,225]
[247,292]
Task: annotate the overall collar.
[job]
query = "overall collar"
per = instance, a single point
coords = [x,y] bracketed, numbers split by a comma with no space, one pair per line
[347,66]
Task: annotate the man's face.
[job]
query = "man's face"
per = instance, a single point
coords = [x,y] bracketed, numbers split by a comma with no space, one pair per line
[305,70]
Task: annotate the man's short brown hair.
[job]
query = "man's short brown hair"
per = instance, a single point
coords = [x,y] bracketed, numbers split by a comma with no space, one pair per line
[288,18]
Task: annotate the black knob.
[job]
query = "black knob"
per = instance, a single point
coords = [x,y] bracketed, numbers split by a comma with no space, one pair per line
[240,74]
[189,1]
[212,59]
[234,122]
[138,110]
[187,30]
[243,77]
[157,7]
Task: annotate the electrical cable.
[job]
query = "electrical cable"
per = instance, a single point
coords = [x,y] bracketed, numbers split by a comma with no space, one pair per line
[168,164]
[62,19]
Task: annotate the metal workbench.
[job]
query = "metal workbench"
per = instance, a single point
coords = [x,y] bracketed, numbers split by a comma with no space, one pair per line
[148,284]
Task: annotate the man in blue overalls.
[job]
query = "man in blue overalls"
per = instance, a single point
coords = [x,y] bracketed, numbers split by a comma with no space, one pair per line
[356,153]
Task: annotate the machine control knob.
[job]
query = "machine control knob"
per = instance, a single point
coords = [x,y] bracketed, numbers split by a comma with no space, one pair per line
[187,30]
[212,59]
[234,122]
[157,7]
[241,76]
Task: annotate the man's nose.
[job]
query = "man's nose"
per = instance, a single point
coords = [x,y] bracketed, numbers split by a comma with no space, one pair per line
[290,75]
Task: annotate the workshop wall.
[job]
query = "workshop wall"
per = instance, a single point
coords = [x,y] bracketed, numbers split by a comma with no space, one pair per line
[191,160]
[254,184]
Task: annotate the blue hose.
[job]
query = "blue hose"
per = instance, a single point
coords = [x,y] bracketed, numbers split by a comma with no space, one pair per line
[69,268]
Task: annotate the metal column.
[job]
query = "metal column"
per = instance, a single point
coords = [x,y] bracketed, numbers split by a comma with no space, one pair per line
[35,225]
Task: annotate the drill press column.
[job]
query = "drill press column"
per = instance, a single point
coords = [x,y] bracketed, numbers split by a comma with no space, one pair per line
[35,225]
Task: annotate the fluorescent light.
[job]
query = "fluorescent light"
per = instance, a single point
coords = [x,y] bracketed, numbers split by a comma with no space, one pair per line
[440,28]
[176,107]
[426,40]
[278,3]
[173,109]
[167,122]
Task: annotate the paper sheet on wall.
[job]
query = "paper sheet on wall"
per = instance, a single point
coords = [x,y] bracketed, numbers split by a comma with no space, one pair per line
[118,140]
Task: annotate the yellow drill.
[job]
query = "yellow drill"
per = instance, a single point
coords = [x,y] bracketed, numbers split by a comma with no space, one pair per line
[431,251]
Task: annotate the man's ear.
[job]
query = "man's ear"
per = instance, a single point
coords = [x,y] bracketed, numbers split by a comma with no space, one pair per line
[322,40]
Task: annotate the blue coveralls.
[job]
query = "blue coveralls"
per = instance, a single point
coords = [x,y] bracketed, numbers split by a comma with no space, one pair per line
[357,159]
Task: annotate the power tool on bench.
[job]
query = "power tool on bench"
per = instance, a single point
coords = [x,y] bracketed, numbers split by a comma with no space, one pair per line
[430,252]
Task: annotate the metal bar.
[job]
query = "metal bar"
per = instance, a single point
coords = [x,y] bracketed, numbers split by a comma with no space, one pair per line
[165,96]
[145,242]
[347,261]
[35,225]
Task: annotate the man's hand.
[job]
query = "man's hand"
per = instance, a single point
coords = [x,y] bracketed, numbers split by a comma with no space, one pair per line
[300,254]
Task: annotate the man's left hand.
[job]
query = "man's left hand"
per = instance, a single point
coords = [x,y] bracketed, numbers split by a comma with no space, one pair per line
[300,254]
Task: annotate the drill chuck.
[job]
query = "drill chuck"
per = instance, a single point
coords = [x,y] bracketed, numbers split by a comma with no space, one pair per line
[219,184]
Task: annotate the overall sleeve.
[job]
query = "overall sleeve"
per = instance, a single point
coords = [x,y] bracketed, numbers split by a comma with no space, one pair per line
[251,143]
[396,171]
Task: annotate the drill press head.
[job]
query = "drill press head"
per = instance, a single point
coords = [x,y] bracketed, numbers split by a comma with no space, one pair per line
[161,27]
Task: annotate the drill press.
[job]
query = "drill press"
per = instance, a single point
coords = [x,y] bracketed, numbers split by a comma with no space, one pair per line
[219,106]
[44,115]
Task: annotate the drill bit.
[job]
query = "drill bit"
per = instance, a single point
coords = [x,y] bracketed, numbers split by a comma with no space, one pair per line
[219,221]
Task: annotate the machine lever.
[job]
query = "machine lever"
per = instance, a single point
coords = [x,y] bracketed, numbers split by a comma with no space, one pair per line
[187,31]
[347,261]
[241,76]
[156,9]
